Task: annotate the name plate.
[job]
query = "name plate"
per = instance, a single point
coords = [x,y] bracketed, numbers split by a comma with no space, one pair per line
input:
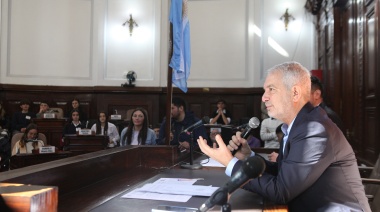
[115,117]
[84,132]
[47,149]
[49,115]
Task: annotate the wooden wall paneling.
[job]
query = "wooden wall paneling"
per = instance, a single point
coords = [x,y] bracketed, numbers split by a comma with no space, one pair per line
[344,74]
[369,81]
[356,131]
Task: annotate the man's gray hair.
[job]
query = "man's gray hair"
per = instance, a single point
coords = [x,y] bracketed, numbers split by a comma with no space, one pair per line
[294,74]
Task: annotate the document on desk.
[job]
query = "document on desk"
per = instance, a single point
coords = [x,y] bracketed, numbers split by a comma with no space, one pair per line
[193,190]
[171,189]
[211,162]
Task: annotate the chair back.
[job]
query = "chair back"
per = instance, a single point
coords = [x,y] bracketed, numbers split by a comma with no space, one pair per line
[16,137]
[375,174]
[58,111]
[129,114]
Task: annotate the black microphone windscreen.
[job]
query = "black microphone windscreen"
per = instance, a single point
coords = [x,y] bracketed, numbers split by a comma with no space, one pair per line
[254,166]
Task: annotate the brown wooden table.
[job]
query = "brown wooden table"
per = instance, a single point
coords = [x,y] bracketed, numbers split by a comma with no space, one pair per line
[81,144]
[95,181]
[23,160]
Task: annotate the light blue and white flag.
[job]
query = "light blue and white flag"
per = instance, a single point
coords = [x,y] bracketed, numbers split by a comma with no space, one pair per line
[181,59]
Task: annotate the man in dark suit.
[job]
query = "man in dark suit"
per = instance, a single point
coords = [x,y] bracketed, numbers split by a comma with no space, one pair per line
[316,99]
[317,168]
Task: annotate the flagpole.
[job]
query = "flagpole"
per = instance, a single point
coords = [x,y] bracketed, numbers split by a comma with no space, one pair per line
[169,86]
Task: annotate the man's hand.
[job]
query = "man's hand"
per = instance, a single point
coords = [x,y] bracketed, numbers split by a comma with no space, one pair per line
[234,144]
[222,154]
[273,157]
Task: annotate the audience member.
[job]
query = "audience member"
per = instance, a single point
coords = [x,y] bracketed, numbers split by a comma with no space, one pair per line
[5,150]
[221,115]
[74,125]
[264,112]
[268,133]
[213,133]
[317,169]
[156,130]
[28,141]
[76,105]
[316,99]
[253,142]
[4,123]
[138,132]
[103,127]
[180,120]
[21,119]
[44,108]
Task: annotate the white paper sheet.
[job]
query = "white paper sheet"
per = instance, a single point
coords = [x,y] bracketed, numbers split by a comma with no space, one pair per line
[211,162]
[136,194]
[193,190]
[154,190]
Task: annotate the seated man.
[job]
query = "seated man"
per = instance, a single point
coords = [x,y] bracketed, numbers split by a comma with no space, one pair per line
[317,169]
[44,108]
[181,119]
[268,132]
[28,141]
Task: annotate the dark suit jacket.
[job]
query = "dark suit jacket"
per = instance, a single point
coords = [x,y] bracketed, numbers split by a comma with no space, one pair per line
[317,171]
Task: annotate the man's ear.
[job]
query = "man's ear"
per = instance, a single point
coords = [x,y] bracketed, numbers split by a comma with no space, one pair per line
[296,93]
[180,108]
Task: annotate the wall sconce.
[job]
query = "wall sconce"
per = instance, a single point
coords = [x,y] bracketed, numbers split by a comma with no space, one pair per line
[131,24]
[287,18]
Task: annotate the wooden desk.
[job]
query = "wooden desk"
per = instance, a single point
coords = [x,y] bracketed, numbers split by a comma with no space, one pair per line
[240,199]
[23,160]
[52,128]
[19,197]
[78,144]
[96,180]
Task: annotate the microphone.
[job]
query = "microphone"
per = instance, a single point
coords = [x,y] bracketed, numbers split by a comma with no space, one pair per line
[252,124]
[204,120]
[253,167]
[241,126]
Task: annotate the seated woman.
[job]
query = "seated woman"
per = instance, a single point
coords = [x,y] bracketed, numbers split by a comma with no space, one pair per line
[28,141]
[74,125]
[103,127]
[138,132]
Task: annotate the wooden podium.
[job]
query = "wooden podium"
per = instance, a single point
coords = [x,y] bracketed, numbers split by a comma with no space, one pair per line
[23,160]
[52,128]
[81,144]
[20,197]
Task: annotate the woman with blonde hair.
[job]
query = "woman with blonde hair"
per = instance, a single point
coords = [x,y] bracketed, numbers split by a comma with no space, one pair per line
[138,132]
[28,141]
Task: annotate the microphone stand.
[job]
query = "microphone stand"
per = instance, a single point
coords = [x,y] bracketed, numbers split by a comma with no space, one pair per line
[191,165]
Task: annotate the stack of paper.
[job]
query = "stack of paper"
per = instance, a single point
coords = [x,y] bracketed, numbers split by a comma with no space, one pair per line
[171,189]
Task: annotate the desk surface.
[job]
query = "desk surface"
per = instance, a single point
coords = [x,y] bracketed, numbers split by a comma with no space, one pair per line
[239,200]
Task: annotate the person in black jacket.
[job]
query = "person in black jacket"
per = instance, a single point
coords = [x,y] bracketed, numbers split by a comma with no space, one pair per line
[22,118]
[5,150]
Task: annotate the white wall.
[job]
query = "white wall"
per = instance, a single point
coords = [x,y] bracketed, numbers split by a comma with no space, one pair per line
[83,42]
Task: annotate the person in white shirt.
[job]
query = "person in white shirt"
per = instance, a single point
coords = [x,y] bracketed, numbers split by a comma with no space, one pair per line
[268,132]
[103,127]
[138,132]
[28,141]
